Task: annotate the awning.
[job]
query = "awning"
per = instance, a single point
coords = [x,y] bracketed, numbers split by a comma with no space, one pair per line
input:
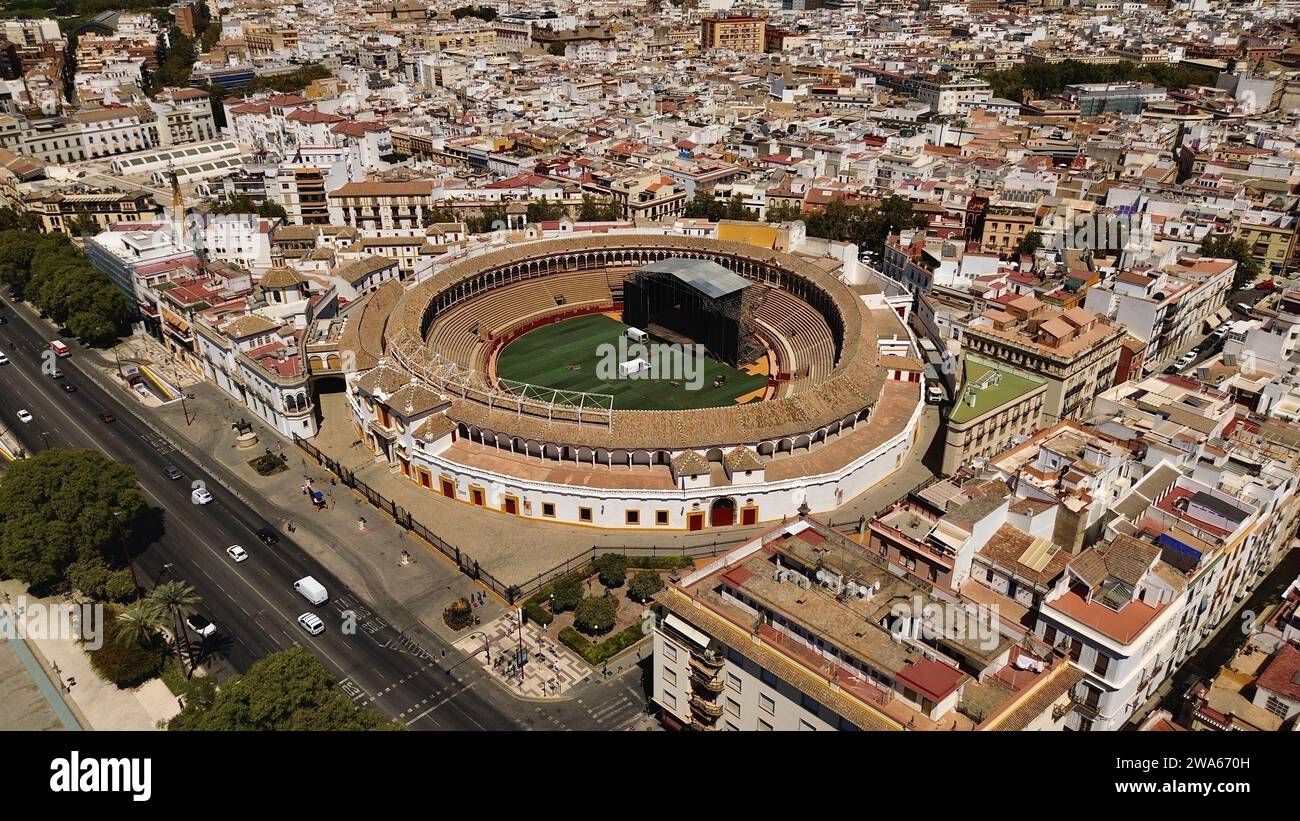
[686,630]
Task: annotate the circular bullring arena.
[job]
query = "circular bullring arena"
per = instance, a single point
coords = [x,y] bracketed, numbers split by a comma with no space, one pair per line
[639,380]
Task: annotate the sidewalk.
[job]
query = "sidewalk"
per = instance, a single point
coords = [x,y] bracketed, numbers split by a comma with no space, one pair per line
[552,669]
[369,561]
[96,703]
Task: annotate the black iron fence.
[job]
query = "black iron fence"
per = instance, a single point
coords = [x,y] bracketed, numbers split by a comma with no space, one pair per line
[513,593]
[405,520]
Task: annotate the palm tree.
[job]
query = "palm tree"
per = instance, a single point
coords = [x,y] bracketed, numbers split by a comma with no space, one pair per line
[179,600]
[138,623]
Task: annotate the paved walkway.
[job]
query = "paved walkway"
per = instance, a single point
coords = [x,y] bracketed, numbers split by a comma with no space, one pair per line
[98,704]
[551,670]
[414,588]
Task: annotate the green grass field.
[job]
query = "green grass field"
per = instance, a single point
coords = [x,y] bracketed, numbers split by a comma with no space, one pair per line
[566,355]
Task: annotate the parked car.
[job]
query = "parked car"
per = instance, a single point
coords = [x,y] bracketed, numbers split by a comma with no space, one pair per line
[24,416]
[172,472]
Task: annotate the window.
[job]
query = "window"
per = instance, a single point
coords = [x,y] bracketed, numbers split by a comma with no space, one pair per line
[1276,706]
[670,700]
[661,518]
[1102,664]
[1076,649]
[733,707]
[804,725]
[764,726]
[767,676]
[733,682]
[766,703]
[584,514]
[670,652]
[633,517]
[548,509]
[1049,634]
[670,676]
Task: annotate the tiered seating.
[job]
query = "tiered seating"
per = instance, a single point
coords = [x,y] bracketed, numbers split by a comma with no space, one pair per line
[497,312]
[801,333]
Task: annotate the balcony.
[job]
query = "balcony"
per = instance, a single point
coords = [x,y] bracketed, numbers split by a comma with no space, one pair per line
[705,711]
[707,664]
[708,685]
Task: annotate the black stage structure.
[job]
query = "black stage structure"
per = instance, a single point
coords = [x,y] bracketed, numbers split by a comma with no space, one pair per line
[697,299]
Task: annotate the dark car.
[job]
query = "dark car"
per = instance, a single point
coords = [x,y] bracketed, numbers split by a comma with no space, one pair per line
[267,536]
[172,472]
[3,321]
[1171,369]
[107,417]
[68,387]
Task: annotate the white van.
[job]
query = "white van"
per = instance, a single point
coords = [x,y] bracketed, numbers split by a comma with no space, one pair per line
[312,590]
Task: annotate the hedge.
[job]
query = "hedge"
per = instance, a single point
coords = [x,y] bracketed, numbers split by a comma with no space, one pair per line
[607,649]
[660,562]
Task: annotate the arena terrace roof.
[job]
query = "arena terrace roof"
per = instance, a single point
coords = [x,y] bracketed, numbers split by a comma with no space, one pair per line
[854,385]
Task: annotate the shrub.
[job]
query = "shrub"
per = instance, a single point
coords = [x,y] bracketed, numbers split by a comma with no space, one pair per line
[607,649]
[568,592]
[534,613]
[612,569]
[595,614]
[126,665]
[644,585]
[459,616]
[97,580]
[661,562]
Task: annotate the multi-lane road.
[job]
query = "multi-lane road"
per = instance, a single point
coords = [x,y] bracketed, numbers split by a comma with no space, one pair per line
[404,675]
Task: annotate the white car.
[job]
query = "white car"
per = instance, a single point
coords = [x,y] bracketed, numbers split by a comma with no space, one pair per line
[24,416]
[201,625]
[311,623]
[236,552]
[201,496]
[4,360]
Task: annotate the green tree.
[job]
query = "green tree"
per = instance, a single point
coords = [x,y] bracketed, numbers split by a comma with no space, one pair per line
[289,690]
[244,204]
[593,210]
[179,601]
[94,578]
[784,212]
[595,615]
[439,214]
[557,49]
[568,592]
[139,623]
[61,506]
[544,210]
[1230,246]
[611,569]
[644,585]
[129,655]
[492,218]
[483,13]
[19,220]
[1029,243]
[868,226]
